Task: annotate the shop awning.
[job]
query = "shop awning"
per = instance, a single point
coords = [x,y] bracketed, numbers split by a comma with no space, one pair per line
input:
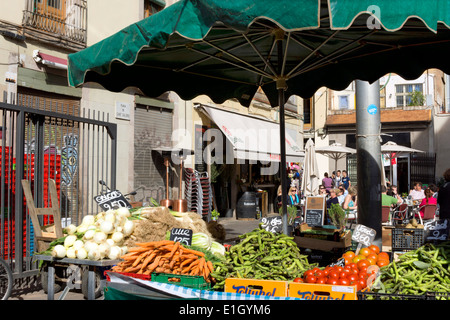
[252,137]
[49,60]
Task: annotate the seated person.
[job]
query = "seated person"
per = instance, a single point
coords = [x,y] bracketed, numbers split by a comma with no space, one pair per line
[392,191]
[417,193]
[350,199]
[429,199]
[387,200]
[293,198]
[322,191]
[333,197]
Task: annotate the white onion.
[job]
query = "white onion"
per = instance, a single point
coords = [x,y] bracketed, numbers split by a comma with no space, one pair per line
[82,228]
[117,237]
[89,234]
[114,253]
[59,251]
[78,244]
[100,237]
[88,220]
[71,253]
[110,242]
[107,227]
[104,249]
[124,250]
[70,240]
[110,216]
[81,253]
[71,229]
[89,245]
[94,254]
[123,212]
[128,228]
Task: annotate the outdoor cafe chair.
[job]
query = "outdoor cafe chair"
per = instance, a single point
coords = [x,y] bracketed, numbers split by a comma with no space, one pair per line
[400,213]
[429,212]
[385,215]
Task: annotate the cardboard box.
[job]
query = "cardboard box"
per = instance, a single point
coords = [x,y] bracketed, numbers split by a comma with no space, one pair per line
[323,245]
[312,291]
[271,288]
[386,237]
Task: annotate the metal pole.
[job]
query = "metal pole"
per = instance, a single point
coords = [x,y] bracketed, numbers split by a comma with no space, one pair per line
[281,87]
[368,146]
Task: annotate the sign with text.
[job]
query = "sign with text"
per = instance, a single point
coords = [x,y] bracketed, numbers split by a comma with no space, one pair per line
[272,224]
[363,235]
[112,200]
[315,211]
[123,110]
[437,230]
[184,236]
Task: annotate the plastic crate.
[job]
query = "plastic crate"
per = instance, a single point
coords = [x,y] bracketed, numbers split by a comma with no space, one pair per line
[194,282]
[133,275]
[407,238]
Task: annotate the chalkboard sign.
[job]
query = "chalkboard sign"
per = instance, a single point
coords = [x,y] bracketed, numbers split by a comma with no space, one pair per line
[437,230]
[272,224]
[315,211]
[184,236]
[363,235]
[112,200]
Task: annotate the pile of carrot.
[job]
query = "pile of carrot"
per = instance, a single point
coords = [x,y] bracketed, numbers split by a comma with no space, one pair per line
[165,256]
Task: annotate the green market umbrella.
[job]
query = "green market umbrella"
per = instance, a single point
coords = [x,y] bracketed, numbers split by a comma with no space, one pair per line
[227,49]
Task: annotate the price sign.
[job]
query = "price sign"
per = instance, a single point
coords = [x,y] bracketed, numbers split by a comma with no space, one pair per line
[437,230]
[112,200]
[184,236]
[363,235]
[315,211]
[272,224]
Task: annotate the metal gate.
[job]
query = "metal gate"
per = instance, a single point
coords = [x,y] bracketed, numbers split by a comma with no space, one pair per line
[423,168]
[38,144]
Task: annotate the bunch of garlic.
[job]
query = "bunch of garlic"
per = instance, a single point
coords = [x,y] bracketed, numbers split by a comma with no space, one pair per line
[104,236]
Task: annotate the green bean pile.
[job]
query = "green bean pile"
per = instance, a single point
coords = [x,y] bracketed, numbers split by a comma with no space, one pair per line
[261,255]
[426,269]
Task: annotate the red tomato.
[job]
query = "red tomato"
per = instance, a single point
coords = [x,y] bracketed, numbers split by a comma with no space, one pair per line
[308,273]
[354,271]
[343,275]
[338,268]
[311,279]
[322,280]
[326,272]
[319,274]
[298,280]
[353,265]
[352,278]
[343,282]
[333,275]
[315,270]
[362,283]
[332,281]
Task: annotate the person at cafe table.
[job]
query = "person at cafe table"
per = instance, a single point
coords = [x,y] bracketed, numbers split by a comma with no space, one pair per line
[417,194]
[387,200]
[429,199]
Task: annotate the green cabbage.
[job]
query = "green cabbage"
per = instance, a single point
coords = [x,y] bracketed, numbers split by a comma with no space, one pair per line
[201,240]
[217,249]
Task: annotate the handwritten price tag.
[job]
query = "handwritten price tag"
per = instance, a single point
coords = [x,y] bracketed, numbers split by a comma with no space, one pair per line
[363,235]
[272,224]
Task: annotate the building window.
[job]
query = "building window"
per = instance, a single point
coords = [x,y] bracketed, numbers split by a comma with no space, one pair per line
[404,93]
[64,19]
[152,7]
[307,111]
[343,102]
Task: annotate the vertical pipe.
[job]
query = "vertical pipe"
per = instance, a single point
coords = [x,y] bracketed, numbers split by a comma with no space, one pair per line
[281,87]
[369,166]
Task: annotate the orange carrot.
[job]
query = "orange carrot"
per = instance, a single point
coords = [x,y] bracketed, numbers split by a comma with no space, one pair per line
[210,266]
[142,256]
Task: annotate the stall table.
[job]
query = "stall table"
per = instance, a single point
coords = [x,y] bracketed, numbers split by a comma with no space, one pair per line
[91,264]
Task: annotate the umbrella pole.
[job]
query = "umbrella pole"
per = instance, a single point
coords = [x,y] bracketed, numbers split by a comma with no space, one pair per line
[283,160]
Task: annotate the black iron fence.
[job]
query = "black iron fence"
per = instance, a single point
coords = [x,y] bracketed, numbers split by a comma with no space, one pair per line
[37,145]
[423,168]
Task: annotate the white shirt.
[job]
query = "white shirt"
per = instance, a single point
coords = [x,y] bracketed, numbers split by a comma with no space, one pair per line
[417,195]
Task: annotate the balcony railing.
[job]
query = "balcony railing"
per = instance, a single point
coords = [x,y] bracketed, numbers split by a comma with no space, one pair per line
[63,19]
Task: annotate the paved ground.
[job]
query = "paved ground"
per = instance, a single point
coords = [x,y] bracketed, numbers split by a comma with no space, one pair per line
[233,229]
